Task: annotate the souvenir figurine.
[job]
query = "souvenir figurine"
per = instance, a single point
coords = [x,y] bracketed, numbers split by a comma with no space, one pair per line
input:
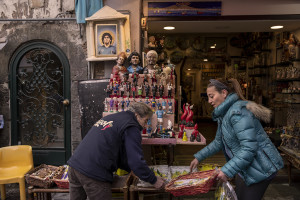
[158,104]
[105,102]
[154,89]
[116,104]
[161,90]
[184,138]
[152,41]
[169,87]
[122,102]
[119,69]
[111,105]
[160,114]
[135,77]
[128,88]
[151,59]
[183,116]
[180,134]
[127,103]
[116,90]
[153,78]
[189,117]
[153,104]
[147,89]
[170,106]
[147,101]
[140,90]
[108,90]
[134,60]
[133,89]
[140,100]
[125,76]
[122,89]
[145,79]
[195,134]
[149,128]
[164,104]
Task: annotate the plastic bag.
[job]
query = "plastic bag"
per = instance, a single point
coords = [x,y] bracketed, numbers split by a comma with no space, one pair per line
[225,191]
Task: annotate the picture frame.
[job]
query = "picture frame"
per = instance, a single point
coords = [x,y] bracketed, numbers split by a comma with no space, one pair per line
[106,40]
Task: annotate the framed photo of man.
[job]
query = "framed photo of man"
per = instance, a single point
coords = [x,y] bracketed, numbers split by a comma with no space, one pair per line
[106,40]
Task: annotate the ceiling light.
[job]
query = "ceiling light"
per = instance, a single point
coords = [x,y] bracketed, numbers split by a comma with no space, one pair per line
[277,27]
[205,60]
[169,27]
[212,47]
[189,69]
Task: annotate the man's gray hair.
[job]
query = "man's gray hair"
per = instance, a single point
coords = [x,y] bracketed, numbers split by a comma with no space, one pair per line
[141,109]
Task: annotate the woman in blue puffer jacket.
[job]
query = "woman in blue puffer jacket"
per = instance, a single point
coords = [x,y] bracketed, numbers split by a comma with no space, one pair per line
[251,156]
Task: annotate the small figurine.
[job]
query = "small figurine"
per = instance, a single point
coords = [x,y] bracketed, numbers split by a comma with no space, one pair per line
[149,128]
[180,134]
[135,77]
[116,104]
[160,114]
[116,90]
[119,68]
[152,41]
[147,101]
[170,87]
[125,76]
[170,106]
[151,59]
[133,89]
[153,103]
[184,114]
[195,134]
[140,100]
[111,105]
[105,102]
[161,90]
[164,104]
[140,90]
[170,125]
[147,89]
[189,117]
[108,90]
[128,88]
[122,89]
[158,104]
[154,89]
[127,103]
[122,102]
[185,139]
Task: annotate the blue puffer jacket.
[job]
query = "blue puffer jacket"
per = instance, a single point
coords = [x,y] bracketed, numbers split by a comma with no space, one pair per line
[249,150]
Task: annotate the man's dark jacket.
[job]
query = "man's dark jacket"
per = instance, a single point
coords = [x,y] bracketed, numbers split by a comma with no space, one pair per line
[113,142]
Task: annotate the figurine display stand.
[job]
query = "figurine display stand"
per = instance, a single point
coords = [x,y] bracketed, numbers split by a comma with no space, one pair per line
[162,96]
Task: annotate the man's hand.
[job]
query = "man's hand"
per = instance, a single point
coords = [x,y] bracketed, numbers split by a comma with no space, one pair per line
[221,176]
[160,183]
[194,164]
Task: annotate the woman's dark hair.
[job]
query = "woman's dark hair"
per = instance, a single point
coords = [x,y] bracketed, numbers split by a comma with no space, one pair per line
[231,85]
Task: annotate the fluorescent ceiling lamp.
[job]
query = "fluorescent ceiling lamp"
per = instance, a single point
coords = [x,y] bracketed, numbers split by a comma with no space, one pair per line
[212,47]
[169,27]
[277,27]
[205,60]
[189,69]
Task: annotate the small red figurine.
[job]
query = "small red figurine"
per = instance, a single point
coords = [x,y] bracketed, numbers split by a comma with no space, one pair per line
[180,135]
[195,134]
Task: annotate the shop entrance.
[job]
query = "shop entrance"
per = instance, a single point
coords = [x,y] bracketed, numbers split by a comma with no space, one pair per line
[40,93]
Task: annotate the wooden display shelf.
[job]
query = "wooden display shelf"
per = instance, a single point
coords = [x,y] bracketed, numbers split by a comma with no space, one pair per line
[159,141]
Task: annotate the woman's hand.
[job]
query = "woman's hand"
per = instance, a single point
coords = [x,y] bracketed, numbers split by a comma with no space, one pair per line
[160,183]
[194,164]
[221,176]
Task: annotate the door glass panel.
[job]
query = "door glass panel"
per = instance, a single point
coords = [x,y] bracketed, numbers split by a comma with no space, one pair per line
[40,95]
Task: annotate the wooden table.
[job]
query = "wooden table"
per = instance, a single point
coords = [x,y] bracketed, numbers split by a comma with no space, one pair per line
[120,185]
[293,159]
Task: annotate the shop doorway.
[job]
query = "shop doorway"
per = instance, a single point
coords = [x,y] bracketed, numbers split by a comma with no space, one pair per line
[40,93]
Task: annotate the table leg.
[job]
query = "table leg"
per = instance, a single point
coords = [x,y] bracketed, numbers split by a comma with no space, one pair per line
[289,172]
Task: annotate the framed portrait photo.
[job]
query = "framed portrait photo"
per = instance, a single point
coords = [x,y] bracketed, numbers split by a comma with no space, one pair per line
[106,40]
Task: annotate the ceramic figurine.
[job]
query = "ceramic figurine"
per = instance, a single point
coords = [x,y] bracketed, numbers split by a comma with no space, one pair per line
[164,104]
[133,89]
[119,69]
[149,128]
[154,89]
[135,77]
[111,105]
[185,113]
[153,104]
[170,125]
[105,102]
[161,90]
[169,87]
[180,134]
[116,90]
[147,89]
[140,100]
[160,114]
[135,59]
[170,106]
[147,101]
[158,104]
[128,88]
[122,89]
[189,117]
[195,134]
[108,90]
[122,102]
[152,41]
[116,104]
[184,138]
[140,90]
[127,103]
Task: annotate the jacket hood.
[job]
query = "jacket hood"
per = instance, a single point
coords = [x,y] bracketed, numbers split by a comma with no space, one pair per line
[259,111]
